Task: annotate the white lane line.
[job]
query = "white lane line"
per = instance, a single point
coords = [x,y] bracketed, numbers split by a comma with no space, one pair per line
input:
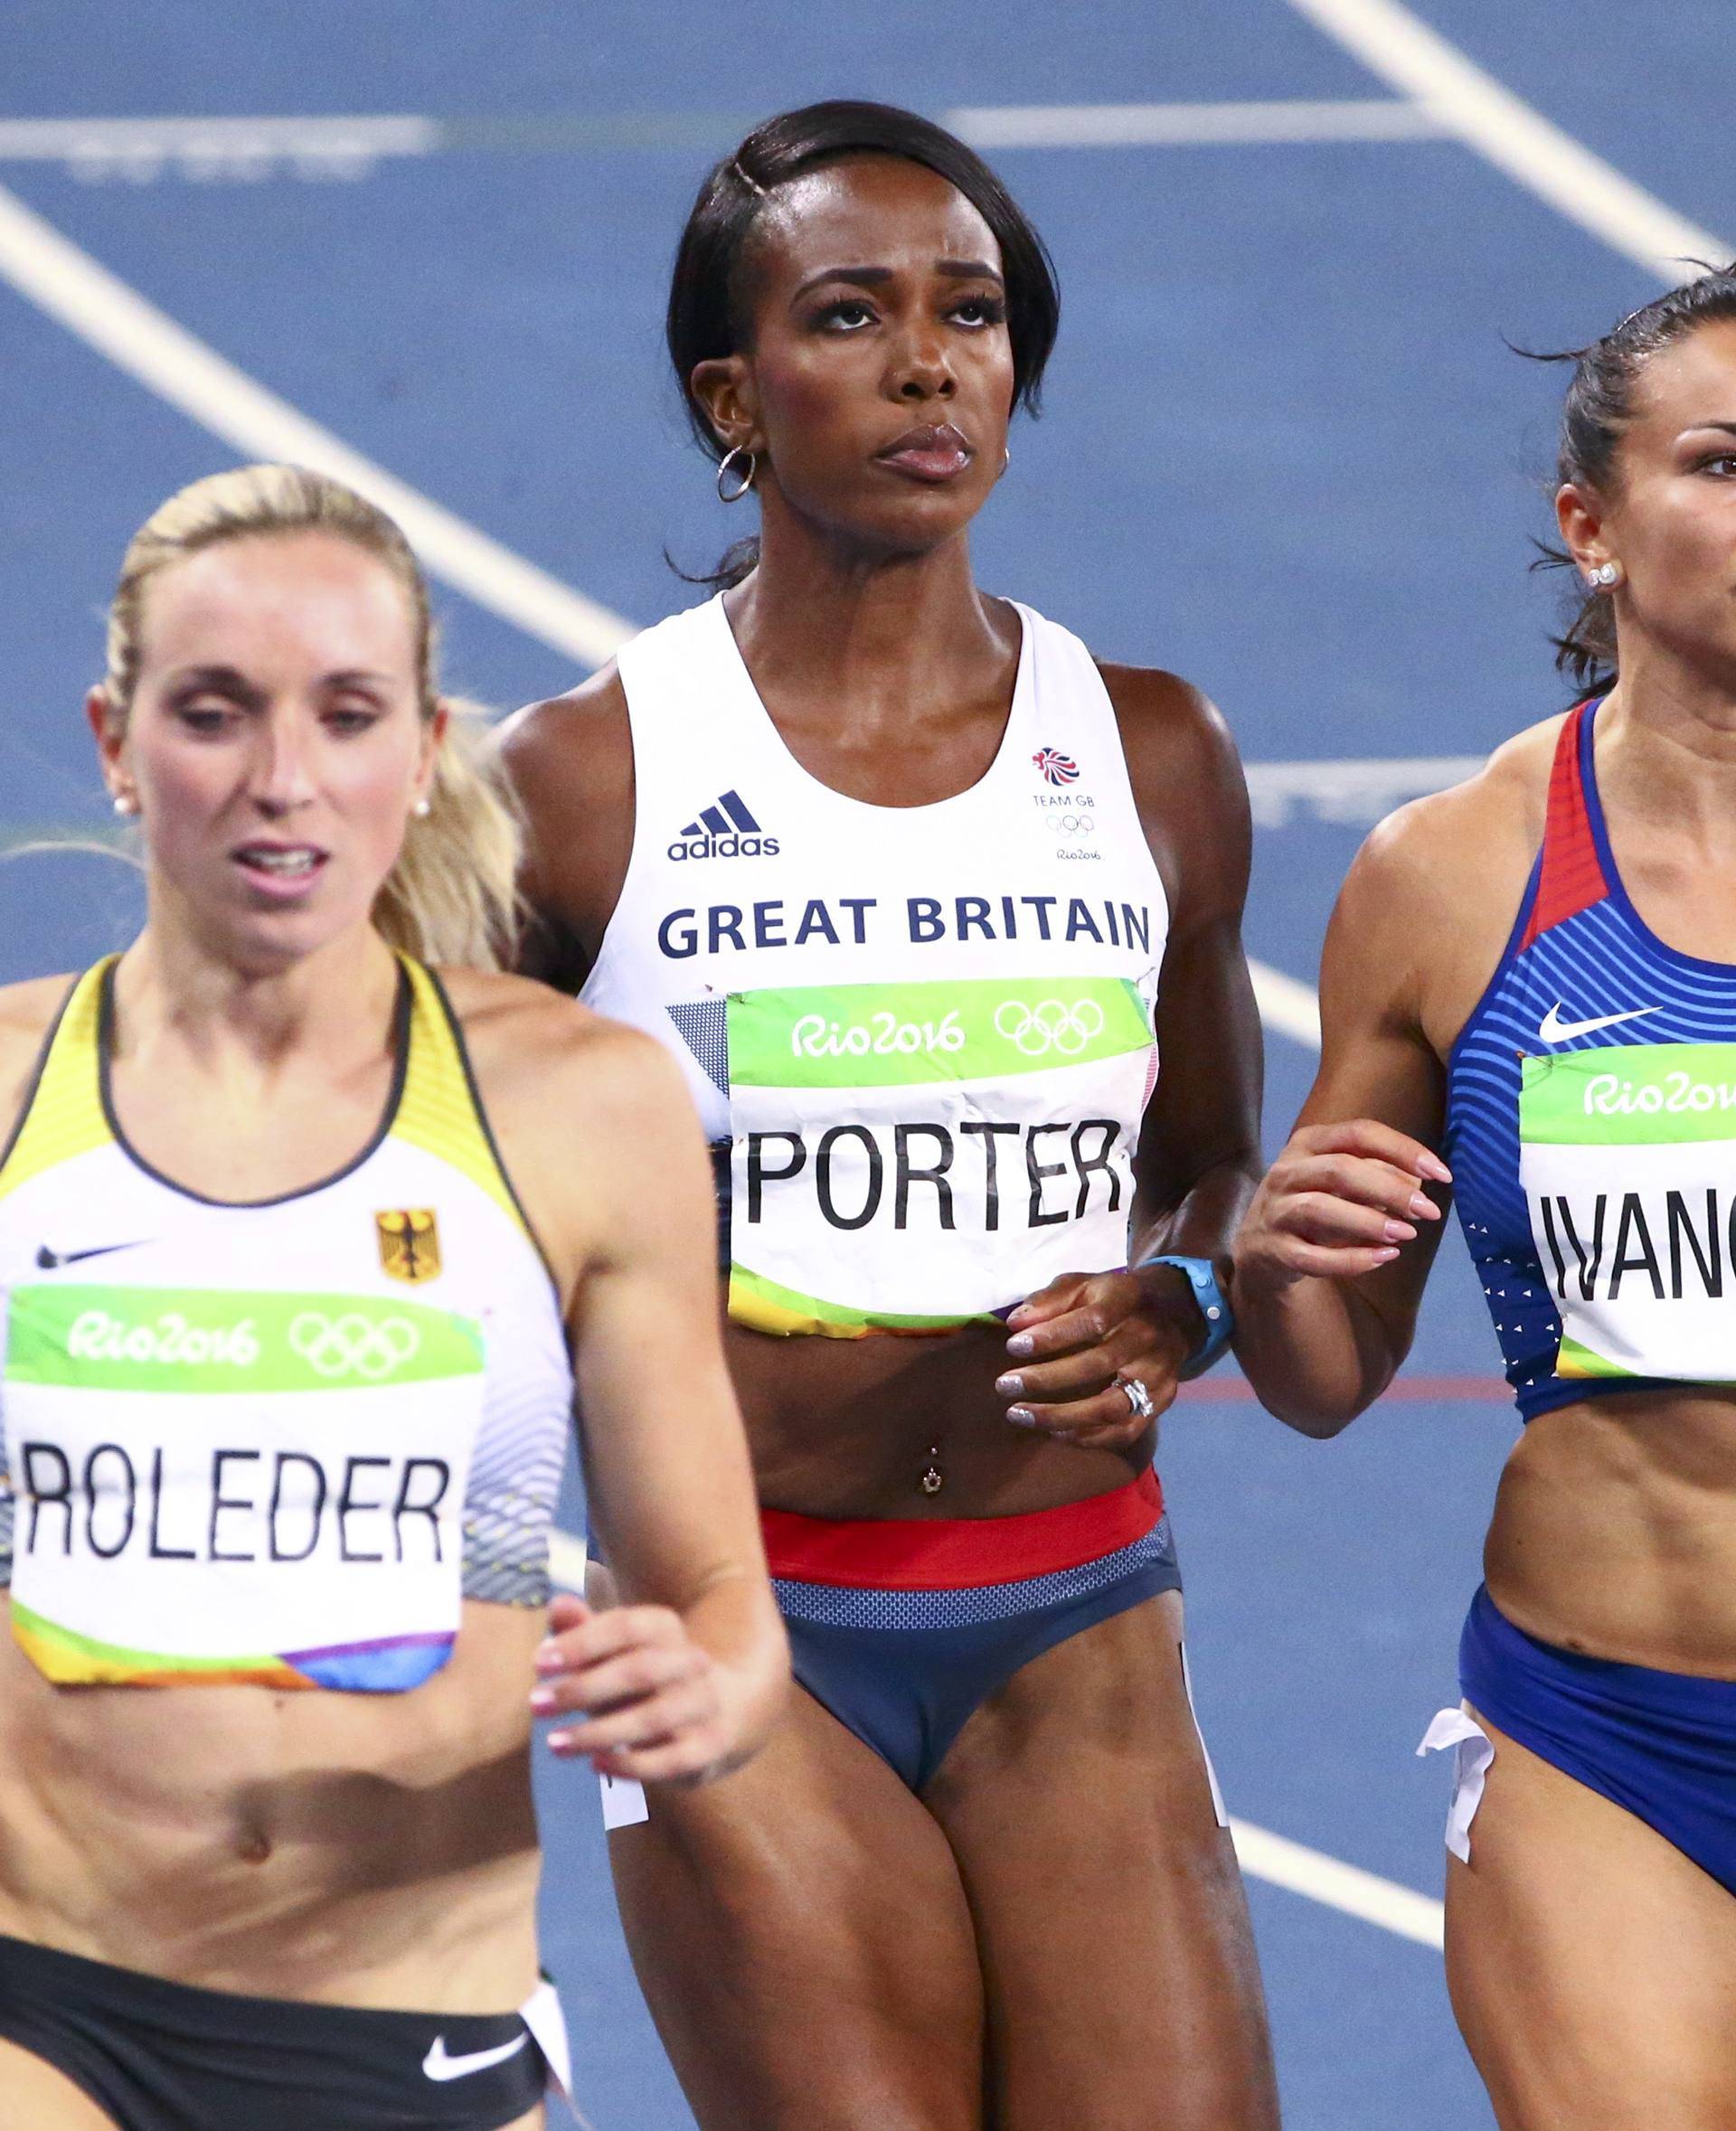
[1347,1887]
[1352,793]
[1263,1855]
[1286,1005]
[1419,64]
[90,301]
[1175,126]
[140,150]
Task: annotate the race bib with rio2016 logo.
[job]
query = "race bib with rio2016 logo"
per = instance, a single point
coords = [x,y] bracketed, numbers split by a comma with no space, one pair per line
[222,1484]
[909,1157]
[1628,1159]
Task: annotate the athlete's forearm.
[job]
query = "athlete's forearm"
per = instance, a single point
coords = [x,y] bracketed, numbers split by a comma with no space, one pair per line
[1202,1223]
[1316,1350]
[735,1622]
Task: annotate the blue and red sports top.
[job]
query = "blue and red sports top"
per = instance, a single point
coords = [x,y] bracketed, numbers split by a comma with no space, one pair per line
[1591,1128]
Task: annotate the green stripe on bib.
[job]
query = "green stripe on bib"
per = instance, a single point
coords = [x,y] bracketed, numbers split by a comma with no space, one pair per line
[887,1035]
[230,1340]
[1629,1095]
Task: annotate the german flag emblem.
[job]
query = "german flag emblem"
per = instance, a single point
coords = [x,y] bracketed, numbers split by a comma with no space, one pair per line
[409,1243]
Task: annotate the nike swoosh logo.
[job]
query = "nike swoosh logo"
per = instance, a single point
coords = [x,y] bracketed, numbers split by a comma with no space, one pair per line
[1552,1029]
[48,1260]
[437,2065]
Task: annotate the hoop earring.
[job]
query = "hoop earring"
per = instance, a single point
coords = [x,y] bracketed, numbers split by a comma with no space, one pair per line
[734,495]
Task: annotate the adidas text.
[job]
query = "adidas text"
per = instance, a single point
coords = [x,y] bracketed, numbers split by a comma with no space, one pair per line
[730,846]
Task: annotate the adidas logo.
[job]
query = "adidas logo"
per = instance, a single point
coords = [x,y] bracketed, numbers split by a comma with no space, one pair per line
[725,830]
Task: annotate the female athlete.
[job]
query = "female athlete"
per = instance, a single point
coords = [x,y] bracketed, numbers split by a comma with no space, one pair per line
[285,1387]
[1583,1095]
[916,891]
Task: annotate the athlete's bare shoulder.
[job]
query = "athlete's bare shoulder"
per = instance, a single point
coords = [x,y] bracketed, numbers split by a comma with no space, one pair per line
[542,739]
[1187,784]
[27,1013]
[570,763]
[1159,713]
[1474,841]
[527,1041]
[583,1109]
[1429,903]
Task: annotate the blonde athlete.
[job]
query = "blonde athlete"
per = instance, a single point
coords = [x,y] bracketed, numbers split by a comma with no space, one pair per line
[295,1238]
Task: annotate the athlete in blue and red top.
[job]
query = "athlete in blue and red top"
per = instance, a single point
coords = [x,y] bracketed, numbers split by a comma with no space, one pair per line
[1585,1095]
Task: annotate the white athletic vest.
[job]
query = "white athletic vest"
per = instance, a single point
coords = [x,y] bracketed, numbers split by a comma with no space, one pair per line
[924,1033]
[280,1443]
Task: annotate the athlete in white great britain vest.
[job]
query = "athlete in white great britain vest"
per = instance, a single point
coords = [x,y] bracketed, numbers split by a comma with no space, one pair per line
[927,904]
[285,1390]
[1535,973]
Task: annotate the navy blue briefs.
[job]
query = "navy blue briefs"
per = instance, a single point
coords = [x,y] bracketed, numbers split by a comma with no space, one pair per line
[1662,1745]
[903,1660]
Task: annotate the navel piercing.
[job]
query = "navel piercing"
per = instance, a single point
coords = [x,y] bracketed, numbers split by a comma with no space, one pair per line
[934,1479]
[734,495]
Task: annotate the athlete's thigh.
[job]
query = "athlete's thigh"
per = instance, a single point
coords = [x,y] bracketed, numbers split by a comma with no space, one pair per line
[34,2096]
[1122,1989]
[1592,1965]
[804,1942]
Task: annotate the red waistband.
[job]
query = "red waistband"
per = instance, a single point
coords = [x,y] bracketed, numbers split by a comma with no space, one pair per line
[956,1553]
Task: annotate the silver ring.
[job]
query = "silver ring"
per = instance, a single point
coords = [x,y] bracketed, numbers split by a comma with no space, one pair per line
[1139,1400]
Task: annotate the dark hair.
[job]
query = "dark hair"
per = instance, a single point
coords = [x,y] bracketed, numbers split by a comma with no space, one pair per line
[707,293]
[1599,406]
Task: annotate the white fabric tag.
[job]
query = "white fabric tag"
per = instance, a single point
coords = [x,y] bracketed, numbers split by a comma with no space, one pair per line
[542,2013]
[1473,1751]
[623,1802]
[1211,1773]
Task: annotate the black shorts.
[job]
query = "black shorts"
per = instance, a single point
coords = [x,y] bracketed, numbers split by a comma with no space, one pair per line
[160,2056]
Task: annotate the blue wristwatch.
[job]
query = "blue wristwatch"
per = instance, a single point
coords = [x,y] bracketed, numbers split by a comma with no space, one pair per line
[1201,1277]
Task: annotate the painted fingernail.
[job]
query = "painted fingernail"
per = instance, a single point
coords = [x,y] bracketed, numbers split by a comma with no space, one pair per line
[1021,1417]
[1398,1231]
[542,1699]
[1021,1346]
[1424,1209]
[548,1657]
[1384,1256]
[1009,1386]
[1432,1165]
[560,1742]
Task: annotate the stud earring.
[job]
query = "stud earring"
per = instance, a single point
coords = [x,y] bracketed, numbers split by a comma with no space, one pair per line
[422,809]
[1605,575]
[125,804]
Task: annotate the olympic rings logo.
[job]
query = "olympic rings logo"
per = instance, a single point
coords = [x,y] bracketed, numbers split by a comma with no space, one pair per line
[1054,1024]
[352,1344]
